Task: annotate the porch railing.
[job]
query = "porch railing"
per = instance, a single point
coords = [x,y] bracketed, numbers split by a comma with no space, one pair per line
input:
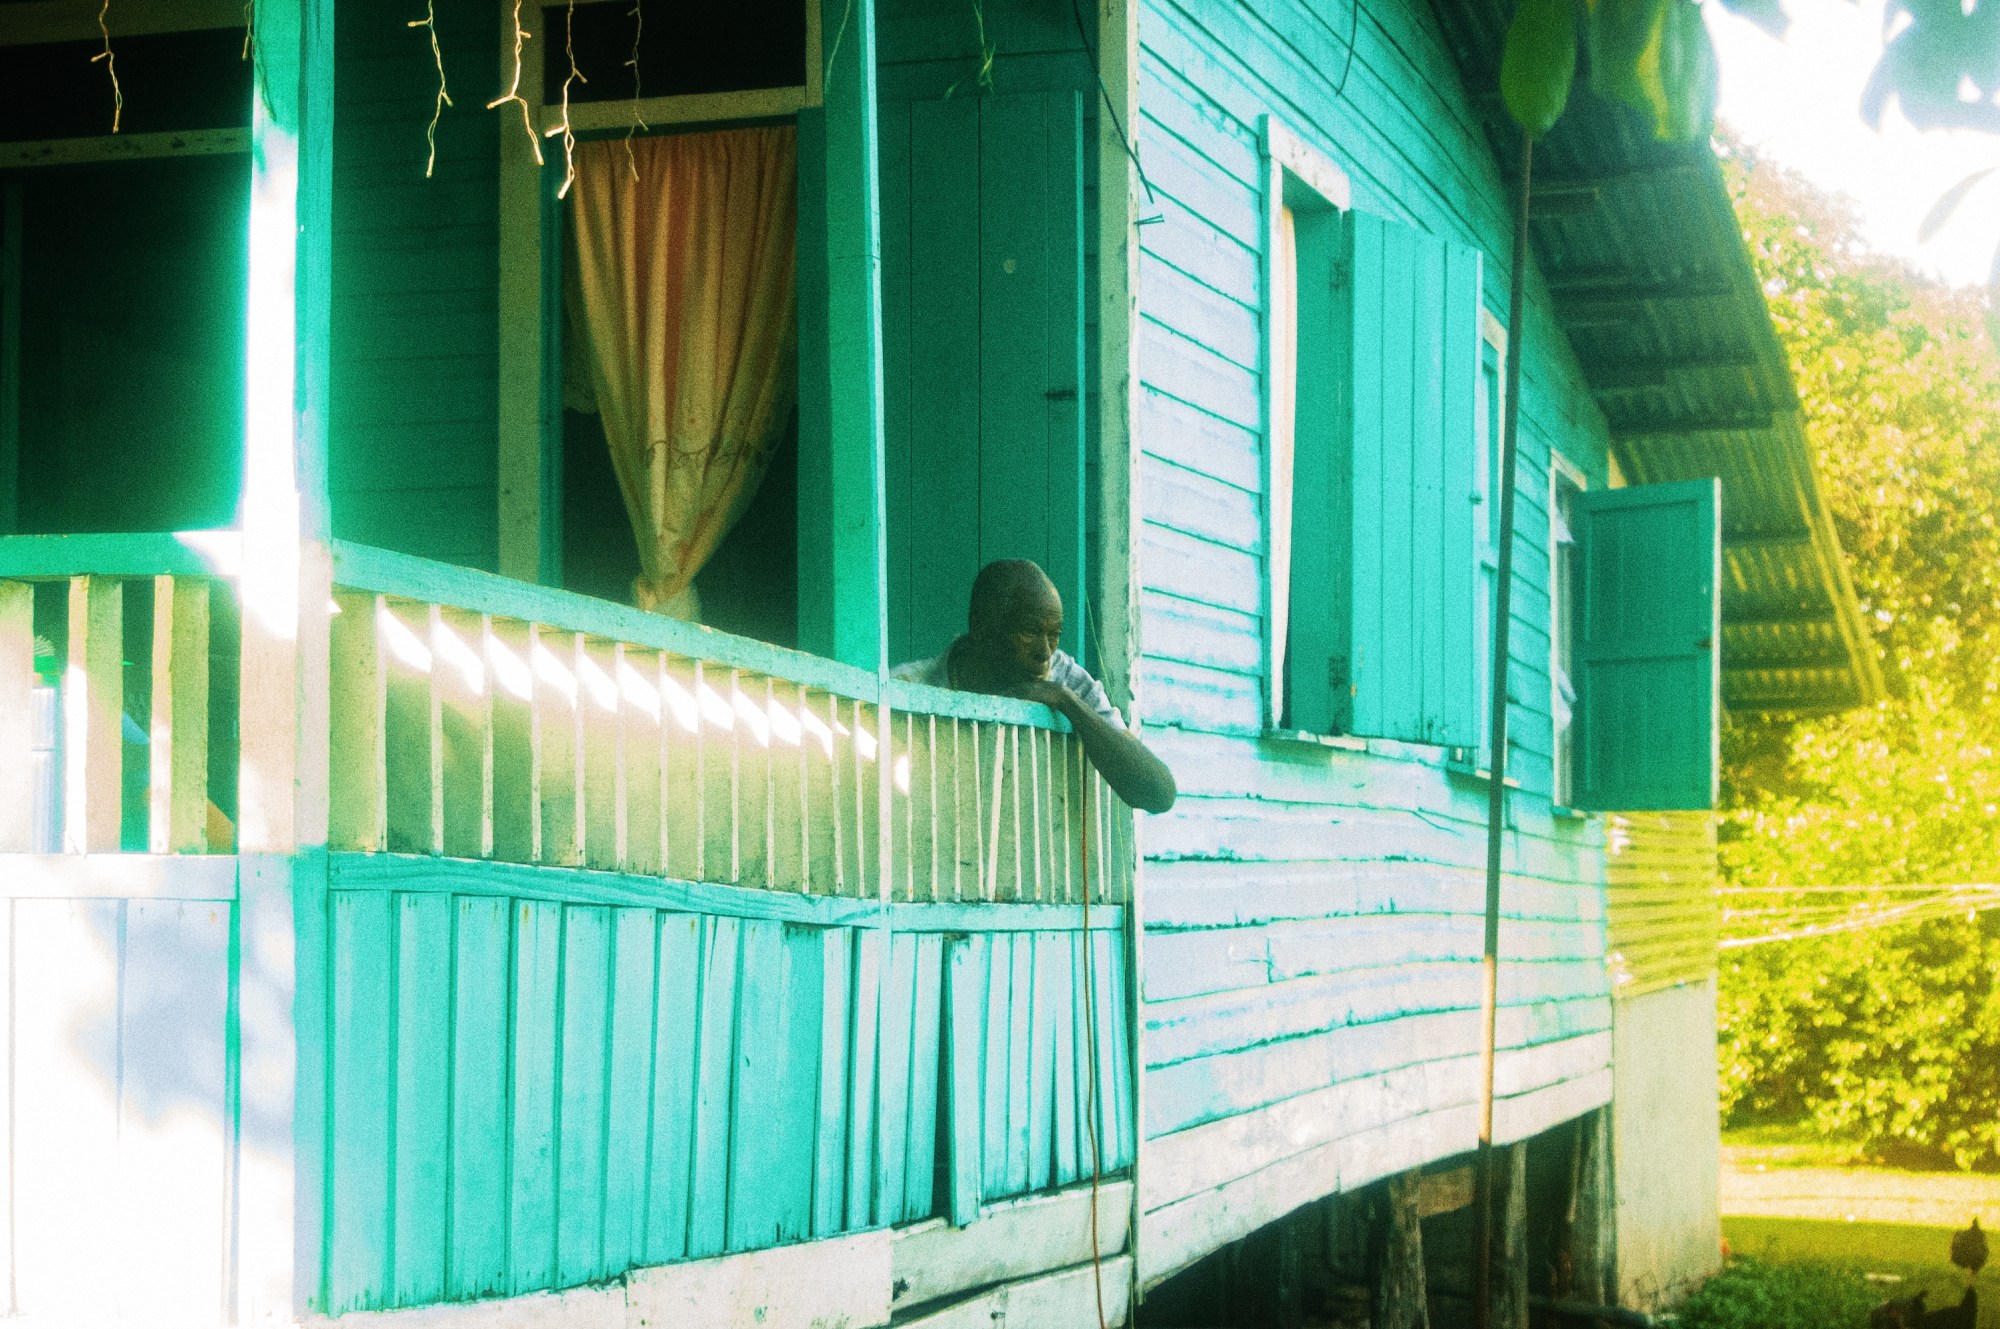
[477,717]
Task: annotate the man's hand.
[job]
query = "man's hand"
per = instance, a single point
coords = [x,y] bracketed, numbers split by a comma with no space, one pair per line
[1128,765]
[1049,693]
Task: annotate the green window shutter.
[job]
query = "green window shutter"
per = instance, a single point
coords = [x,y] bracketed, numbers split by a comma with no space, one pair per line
[1648,668]
[1384,619]
[983,350]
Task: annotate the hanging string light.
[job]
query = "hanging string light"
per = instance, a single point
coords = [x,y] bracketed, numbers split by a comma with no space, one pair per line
[429,20]
[513,93]
[110,66]
[575,75]
[638,120]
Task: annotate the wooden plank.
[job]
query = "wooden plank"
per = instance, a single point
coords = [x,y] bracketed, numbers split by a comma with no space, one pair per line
[719,775]
[1068,1296]
[581,1156]
[410,741]
[927,1012]
[899,982]
[801,1022]
[997,1073]
[476,1263]
[677,1006]
[1020,1103]
[534,1078]
[363,1061]
[715,1086]
[1047,955]
[422,1098]
[757,1129]
[64,983]
[357,755]
[173,1165]
[1010,1241]
[849,1278]
[629,1083]
[863,1070]
[17,717]
[966,1052]
[1055,963]
[830,1152]
[601,792]
[178,816]
[792,811]
[517,798]
[1113,1094]
[93,716]
[682,757]
[462,696]
[557,700]
[641,716]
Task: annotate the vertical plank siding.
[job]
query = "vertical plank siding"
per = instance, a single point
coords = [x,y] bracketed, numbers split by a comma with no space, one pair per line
[530,1094]
[1312,913]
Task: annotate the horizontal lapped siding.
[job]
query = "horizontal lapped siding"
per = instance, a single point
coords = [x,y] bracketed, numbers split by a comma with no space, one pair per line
[1312,914]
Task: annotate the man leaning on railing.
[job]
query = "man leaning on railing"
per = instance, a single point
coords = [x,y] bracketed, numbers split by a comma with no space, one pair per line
[1009,649]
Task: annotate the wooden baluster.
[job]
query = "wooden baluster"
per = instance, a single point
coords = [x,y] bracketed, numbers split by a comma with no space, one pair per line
[966,862]
[867,800]
[788,783]
[516,786]
[178,817]
[748,698]
[1012,846]
[901,757]
[992,789]
[820,796]
[930,807]
[600,809]
[462,687]
[1038,782]
[415,814]
[17,717]
[683,756]
[93,717]
[1059,828]
[641,709]
[357,753]
[555,710]
[720,773]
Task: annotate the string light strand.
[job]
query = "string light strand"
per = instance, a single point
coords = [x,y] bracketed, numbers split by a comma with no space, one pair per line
[444,95]
[575,75]
[513,93]
[638,120]
[110,66]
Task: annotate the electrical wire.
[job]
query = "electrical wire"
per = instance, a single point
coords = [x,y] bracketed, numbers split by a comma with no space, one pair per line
[1353,32]
[1131,149]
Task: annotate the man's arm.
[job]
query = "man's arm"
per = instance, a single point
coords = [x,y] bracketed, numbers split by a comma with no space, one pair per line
[1129,766]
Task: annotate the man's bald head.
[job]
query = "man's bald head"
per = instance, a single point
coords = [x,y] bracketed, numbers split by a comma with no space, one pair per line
[1015,621]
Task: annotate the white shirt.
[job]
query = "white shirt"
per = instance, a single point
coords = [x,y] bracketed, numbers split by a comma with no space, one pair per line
[936,672]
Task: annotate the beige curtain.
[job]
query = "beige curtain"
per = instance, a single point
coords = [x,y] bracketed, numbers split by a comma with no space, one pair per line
[685,306]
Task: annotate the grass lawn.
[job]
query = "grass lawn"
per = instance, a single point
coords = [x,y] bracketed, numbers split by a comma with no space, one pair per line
[1824,1266]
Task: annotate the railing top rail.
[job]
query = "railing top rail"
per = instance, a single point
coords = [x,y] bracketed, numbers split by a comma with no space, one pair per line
[146,554]
[405,576]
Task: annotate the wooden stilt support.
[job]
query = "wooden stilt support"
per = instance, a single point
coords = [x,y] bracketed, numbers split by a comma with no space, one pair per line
[1401,1299]
[1588,1239]
[1510,1245]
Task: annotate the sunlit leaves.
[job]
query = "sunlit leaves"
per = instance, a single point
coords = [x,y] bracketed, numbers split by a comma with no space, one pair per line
[1941,60]
[1539,63]
[1655,56]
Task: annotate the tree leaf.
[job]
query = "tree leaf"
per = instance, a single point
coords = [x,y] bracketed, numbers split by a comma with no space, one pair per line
[1619,35]
[1538,63]
[1688,78]
[1947,204]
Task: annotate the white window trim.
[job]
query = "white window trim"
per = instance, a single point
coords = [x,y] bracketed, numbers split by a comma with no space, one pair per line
[1291,167]
[1561,471]
[1472,760]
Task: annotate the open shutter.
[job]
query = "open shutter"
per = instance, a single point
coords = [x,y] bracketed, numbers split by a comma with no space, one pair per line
[1412,303]
[983,349]
[1648,669]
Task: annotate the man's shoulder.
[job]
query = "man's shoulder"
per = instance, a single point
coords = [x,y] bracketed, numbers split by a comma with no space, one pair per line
[933,672]
[1064,669]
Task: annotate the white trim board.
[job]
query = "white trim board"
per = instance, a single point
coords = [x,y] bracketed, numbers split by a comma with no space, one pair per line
[117,876]
[1012,1240]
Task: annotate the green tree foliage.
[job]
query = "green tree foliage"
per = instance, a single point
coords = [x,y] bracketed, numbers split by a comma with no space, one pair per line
[1891,1034]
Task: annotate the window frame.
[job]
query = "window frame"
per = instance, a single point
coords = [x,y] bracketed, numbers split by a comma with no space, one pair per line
[1562,632]
[1296,176]
[1476,760]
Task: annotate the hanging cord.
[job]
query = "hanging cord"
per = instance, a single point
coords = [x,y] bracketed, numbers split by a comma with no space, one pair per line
[1090,1020]
[1496,787]
[1131,149]
[1353,31]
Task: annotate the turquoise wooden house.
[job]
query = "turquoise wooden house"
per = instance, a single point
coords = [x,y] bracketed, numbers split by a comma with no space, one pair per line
[460,839]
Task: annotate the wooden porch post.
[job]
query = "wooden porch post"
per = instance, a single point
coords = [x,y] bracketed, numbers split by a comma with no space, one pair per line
[286,589]
[842,552]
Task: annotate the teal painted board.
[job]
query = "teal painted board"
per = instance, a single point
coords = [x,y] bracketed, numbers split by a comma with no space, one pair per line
[1111,1108]
[1043,1017]
[899,991]
[423,1096]
[863,1067]
[801,1024]
[836,1033]
[531,1220]
[1320,626]
[1056,961]
[1648,648]
[943,226]
[1020,1106]
[482,960]
[926,1014]
[1090,1144]
[997,1073]
[714,1086]
[755,1141]
[363,1079]
[966,1061]
[899,367]
[629,1085]
[581,1110]
[670,1153]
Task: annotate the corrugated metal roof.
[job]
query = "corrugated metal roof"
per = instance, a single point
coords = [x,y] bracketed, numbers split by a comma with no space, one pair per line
[1646,266]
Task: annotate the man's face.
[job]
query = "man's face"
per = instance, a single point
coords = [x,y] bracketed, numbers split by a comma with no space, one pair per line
[1022,638]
